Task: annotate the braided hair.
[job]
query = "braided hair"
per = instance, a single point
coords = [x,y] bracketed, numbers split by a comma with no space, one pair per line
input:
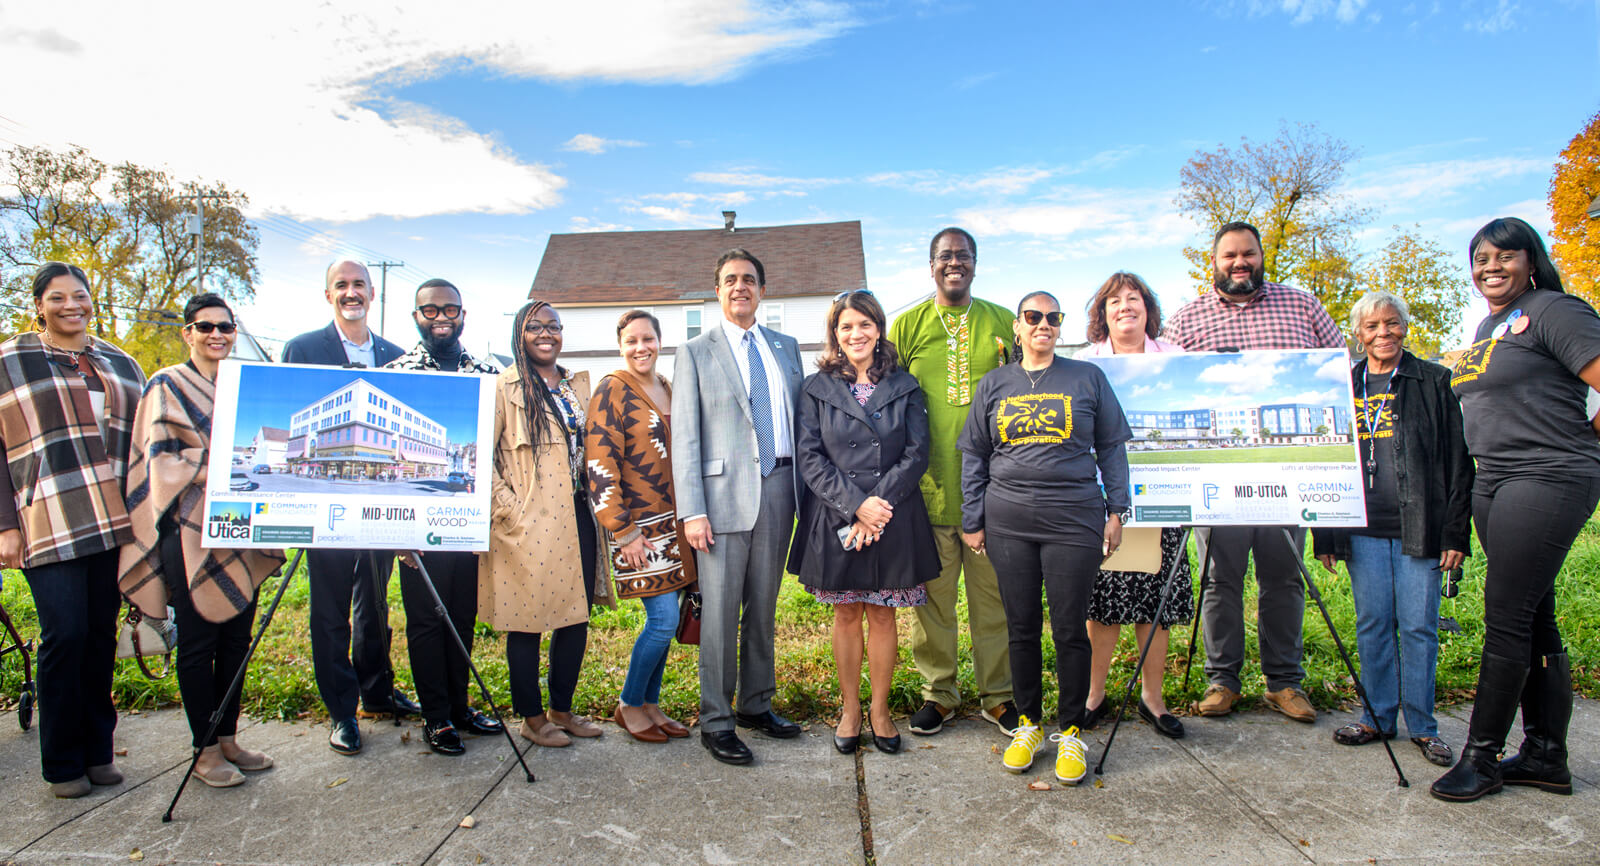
[533,399]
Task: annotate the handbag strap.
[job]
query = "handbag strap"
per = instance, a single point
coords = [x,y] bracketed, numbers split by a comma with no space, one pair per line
[133,619]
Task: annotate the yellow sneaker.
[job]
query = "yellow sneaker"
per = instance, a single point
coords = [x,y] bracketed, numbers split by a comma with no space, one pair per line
[1025,740]
[1071,764]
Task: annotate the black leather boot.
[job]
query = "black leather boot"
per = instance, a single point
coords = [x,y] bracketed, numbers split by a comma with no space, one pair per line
[1500,683]
[1546,710]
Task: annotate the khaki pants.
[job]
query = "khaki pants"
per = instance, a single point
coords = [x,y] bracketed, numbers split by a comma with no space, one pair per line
[934,632]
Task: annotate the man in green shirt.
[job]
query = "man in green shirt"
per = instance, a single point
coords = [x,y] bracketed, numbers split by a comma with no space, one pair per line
[948,343]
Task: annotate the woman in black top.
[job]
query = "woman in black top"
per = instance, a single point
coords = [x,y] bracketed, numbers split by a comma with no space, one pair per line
[1523,387]
[863,543]
[1418,481]
[1037,432]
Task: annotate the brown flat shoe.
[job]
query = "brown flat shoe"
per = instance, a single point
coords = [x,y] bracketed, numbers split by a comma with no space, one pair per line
[547,735]
[651,734]
[673,728]
[576,725]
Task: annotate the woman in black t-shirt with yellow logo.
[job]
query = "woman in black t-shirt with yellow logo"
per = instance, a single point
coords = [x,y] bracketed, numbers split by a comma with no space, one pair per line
[1523,387]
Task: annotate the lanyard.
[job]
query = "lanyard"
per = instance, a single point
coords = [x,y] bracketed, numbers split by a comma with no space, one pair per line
[1372,432]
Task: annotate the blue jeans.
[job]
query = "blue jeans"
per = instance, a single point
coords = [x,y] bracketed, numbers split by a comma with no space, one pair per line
[1397,608]
[643,683]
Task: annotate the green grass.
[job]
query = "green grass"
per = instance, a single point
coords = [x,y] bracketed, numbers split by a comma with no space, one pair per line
[280,682]
[1283,454]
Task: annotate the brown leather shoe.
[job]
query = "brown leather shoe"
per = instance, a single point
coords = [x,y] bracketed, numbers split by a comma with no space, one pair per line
[1217,701]
[1293,703]
[649,734]
[574,724]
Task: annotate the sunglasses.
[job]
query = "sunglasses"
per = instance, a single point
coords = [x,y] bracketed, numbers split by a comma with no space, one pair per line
[432,311]
[208,327]
[1034,317]
[842,295]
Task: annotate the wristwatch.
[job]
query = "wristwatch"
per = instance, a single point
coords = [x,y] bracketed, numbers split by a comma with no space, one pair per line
[1126,514]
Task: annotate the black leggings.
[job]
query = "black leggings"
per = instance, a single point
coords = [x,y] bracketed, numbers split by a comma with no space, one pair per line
[209,653]
[1065,574]
[567,644]
[1526,526]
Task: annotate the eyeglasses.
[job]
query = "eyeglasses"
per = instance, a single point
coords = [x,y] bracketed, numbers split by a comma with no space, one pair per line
[1034,317]
[542,328]
[208,327]
[432,311]
[947,257]
[842,295]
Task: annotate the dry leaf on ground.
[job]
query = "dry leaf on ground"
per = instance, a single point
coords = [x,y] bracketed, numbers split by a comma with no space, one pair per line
[121,753]
[337,782]
[1039,786]
[469,822]
[136,855]
[1123,839]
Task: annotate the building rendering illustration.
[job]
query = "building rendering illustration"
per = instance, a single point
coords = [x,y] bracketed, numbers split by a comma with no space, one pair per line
[362,431]
[1269,424]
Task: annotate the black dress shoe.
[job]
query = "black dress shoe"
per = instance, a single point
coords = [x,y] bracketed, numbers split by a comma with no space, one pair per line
[886,745]
[769,723]
[442,738]
[1166,724]
[398,706]
[477,723]
[346,737]
[846,745]
[403,706]
[1093,717]
[726,747]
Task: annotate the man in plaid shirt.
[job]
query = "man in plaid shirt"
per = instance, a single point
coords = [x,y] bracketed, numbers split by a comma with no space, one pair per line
[1246,312]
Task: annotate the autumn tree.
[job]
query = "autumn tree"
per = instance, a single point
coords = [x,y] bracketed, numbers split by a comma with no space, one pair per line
[126,226]
[1288,189]
[1420,272]
[1575,238]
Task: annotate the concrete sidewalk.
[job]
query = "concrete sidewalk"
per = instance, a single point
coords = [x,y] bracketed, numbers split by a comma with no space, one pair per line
[1252,788]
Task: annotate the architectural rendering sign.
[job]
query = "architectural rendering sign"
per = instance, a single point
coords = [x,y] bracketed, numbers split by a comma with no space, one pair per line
[1242,438]
[308,456]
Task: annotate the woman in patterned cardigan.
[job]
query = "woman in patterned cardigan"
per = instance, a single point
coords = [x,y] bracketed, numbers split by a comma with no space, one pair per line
[630,483]
[66,406]
[212,590]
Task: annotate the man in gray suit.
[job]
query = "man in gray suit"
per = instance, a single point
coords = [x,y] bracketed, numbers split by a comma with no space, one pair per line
[734,392]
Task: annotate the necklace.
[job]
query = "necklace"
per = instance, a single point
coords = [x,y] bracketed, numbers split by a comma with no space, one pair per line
[1033,381]
[961,324]
[1371,419]
[45,335]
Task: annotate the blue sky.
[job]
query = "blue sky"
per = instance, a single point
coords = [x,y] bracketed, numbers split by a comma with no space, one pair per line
[1158,381]
[274,393]
[457,137]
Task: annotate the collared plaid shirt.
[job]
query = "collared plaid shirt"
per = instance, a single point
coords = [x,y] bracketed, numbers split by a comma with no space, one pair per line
[420,359]
[65,476]
[1277,317]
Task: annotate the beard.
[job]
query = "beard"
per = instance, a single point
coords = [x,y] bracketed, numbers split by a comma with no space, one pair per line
[1239,288]
[436,344]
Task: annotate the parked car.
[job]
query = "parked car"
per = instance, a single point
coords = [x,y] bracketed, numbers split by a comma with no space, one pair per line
[460,481]
[240,481]
[262,469]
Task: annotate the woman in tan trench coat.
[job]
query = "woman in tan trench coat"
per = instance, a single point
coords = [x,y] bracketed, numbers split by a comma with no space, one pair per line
[543,570]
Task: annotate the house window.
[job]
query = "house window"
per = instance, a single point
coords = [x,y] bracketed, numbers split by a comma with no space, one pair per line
[691,322]
[774,316]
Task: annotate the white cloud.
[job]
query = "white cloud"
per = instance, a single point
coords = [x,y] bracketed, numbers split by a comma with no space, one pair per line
[583,142]
[584,224]
[1334,370]
[1079,222]
[1404,186]
[1502,17]
[1305,11]
[1251,374]
[758,179]
[295,100]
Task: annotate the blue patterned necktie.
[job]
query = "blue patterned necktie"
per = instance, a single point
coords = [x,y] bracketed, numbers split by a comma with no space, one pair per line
[760,405]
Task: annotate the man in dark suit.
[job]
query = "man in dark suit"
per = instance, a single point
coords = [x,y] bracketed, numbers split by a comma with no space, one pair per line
[734,390]
[344,677]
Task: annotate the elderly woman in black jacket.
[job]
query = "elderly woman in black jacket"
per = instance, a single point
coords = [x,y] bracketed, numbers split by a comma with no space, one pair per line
[1418,480]
[863,543]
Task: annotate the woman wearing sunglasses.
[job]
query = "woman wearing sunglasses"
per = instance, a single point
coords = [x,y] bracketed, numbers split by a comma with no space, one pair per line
[863,543]
[543,567]
[212,590]
[1038,432]
[62,518]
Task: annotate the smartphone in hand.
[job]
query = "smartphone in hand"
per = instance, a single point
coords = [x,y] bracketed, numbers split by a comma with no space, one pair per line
[844,537]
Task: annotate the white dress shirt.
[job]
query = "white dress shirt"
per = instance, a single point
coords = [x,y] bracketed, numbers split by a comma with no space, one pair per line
[777,383]
[359,353]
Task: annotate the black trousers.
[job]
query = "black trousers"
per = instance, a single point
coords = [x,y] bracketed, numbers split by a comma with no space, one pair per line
[1526,527]
[209,653]
[350,665]
[567,644]
[77,603]
[1029,572]
[437,666]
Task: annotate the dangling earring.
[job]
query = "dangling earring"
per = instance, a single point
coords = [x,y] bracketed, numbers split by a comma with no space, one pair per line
[1532,284]
[38,322]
